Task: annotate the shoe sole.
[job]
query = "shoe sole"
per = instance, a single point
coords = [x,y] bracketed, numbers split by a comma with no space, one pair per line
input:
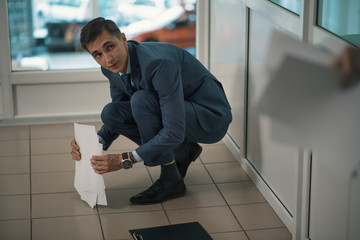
[169,197]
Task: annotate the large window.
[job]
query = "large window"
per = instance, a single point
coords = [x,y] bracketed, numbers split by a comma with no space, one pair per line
[341,18]
[44,34]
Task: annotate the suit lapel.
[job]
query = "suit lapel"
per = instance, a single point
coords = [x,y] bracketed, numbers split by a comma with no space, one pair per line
[118,82]
[135,68]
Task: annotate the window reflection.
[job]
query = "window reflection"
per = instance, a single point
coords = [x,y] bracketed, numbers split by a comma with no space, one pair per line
[44,34]
[341,18]
[291,5]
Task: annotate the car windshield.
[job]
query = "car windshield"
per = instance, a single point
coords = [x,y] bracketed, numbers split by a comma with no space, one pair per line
[69,3]
[145,2]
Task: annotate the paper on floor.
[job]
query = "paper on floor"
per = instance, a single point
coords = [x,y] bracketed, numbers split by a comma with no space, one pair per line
[89,184]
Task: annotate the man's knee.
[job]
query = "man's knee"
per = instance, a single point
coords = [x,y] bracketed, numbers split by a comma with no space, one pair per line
[114,114]
[144,101]
[107,112]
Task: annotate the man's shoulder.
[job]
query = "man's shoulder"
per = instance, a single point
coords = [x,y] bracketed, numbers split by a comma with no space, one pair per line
[153,46]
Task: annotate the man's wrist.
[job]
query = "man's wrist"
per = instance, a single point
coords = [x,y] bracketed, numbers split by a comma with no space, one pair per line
[126,162]
[132,158]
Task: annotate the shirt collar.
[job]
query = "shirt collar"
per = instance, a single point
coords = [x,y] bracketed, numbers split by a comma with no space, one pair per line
[128,70]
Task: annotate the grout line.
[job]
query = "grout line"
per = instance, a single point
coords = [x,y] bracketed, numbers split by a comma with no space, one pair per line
[227,204]
[270,228]
[162,206]
[31,223]
[66,216]
[101,227]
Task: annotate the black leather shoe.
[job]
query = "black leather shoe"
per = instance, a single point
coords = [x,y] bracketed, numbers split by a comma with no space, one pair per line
[185,154]
[160,191]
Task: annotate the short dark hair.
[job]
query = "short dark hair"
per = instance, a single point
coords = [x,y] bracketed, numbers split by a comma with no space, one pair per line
[96,27]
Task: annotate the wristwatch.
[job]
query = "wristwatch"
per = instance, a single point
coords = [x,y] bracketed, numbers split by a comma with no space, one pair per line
[126,162]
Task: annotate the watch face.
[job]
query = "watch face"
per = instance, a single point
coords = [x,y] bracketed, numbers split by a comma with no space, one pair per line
[126,164]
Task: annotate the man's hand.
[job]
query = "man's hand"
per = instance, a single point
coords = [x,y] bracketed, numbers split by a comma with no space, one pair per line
[349,63]
[75,150]
[106,163]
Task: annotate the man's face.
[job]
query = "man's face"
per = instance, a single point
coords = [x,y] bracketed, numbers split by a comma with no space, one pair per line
[110,52]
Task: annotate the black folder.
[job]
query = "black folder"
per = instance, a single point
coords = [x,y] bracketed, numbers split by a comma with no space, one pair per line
[184,231]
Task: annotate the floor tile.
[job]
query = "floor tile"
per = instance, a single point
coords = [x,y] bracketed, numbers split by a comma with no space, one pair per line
[78,227]
[117,226]
[256,216]
[214,180]
[241,193]
[275,233]
[59,204]
[15,229]
[52,131]
[197,174]
[97,125]
[130,178]
[122,144]
[14,148]
[216,153]
[14,133]
[14,164]
[54,182]
[229,236]
[118,201]
[52,163]
[213,219]
[14,184]
[50,146]
[14,207]
[206,195]
[227,172]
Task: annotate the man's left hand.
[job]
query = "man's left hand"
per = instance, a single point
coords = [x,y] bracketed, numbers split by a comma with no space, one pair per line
[106,163]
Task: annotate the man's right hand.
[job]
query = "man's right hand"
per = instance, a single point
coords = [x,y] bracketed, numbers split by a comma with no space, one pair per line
[75,150]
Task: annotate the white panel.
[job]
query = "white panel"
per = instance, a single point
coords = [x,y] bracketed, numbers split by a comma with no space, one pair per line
[227,57]
[354,208]
[334,189]
[1,102]
[333,192]
[60,99]
[275,161]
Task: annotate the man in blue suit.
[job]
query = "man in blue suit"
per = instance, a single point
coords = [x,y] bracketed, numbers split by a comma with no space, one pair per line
[163,99]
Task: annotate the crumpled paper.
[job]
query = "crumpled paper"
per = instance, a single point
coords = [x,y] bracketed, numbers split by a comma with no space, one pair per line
[89,185]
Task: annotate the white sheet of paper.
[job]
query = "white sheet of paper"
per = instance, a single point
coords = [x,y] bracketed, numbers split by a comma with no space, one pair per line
[282,45]
[89,184]
[306,97]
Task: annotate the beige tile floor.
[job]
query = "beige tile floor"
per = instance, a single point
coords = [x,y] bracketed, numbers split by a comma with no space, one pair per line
[38,199]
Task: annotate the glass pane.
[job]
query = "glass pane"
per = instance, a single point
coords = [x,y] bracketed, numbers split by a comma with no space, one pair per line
[44,34]
[291,5]
[341,18]
[227,58]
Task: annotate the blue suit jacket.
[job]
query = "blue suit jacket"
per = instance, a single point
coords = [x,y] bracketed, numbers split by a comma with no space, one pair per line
[176,76]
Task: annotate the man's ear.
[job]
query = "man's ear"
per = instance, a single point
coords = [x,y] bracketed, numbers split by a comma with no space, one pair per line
[123,37]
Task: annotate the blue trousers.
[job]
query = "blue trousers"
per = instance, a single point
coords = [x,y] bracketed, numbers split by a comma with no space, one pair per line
[140,120]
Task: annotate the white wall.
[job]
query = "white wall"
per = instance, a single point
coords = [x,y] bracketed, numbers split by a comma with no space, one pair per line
[39,100]
[1,102]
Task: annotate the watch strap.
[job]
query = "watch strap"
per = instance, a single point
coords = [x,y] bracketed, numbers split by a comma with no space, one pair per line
[132,158]
[124,156]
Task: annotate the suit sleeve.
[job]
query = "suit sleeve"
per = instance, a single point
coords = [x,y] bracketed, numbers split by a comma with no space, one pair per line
[166,80]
